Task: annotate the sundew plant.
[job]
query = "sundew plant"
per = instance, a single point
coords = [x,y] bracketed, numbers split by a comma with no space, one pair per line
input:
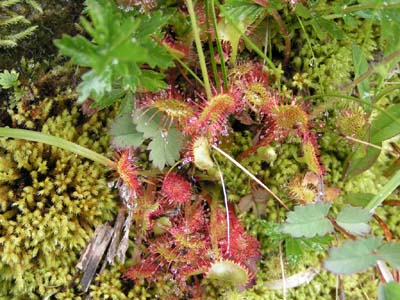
[254,147]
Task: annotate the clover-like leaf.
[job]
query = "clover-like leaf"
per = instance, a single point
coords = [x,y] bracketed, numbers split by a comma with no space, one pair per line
[353,256]
[354,219]
[165,147]
[124,132]
[308,220]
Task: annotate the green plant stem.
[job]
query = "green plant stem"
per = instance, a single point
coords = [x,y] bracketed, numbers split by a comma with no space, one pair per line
[360,7]
[211,48]
[389,115]
[186,67]
[40,137]
[387,90]
[219,47]
[312,53]
[389,187]
[248,41]
[371,70]
[285,33]
[199,48]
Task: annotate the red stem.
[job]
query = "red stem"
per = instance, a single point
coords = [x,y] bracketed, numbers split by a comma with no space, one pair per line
[385,228]
[341,229]
[392,202]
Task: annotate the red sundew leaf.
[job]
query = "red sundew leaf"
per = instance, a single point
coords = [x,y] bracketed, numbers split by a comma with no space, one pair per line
[146,269]
[176,189]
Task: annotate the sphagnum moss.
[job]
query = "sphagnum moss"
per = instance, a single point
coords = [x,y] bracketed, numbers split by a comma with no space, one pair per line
[50,202]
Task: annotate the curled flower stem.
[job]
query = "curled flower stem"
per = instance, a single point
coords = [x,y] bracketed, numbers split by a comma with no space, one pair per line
[248,173]
[57,142]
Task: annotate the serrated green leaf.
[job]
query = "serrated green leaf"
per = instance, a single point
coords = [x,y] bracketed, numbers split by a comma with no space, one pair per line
[165,147]
[94,85]
[9,79]
[297,247]
[78,48]
[316,243]
[308,220]
[127,105]
[354,219]
[293,250]
[148,122]
[152,81]
[302,11]
[108,99]
[389,291]
[383,128]
[391,253]
[242,13]
[353,256]
[360,67]
[122,42]
[124,132]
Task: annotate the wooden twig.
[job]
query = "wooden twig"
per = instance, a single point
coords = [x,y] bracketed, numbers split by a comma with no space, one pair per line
[93,253]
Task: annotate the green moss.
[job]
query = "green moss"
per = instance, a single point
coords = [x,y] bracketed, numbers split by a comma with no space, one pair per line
[50,202]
